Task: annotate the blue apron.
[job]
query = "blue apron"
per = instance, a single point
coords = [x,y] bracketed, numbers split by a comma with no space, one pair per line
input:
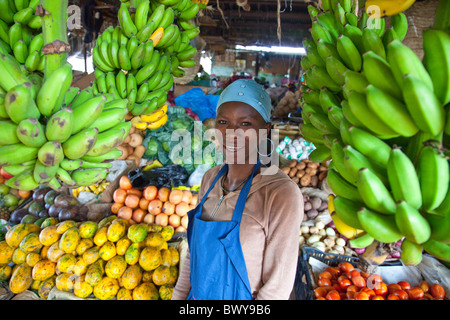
[218,270]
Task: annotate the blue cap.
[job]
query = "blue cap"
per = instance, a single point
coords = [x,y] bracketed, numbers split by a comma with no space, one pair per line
[249,92]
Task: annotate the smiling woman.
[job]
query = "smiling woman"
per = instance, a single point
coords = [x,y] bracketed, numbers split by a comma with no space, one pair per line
[243,235]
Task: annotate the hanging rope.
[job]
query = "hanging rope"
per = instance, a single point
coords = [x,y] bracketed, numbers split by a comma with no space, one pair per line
[223,16]
[279,21]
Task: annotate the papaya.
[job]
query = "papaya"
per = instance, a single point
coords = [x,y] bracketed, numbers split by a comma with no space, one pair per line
[65,281]
[15,235]
[106,221]
[83,245]
[69,240]
[175,255]
[35,285]
[166,257]
[145,291]
[94,273]
[161,275]
[106,289]
[5,272]
[124,294]
[65,225]
[122,246]
[6,253]
[107,250]
[150,258]
[154,227]
[49,235]
[167,232]
[31,227]
[54,252]
[147,276]
[88,229]
[66,263]
[165,292]
[82,289]
[132,277]
[46,286]
[116,230]
[32,258]
[137,232]
[44,251]
[21,279]
[115,267]
[80,267]
[173,275]
[154,239]
[91,255]
[30,243]
[51,221]
[19,256]
[132,254]
[43,270]
[100,236]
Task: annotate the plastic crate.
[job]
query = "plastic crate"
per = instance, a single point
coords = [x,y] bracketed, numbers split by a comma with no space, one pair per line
[304,279]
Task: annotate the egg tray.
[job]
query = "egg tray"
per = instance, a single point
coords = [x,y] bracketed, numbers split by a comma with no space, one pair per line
[304,279]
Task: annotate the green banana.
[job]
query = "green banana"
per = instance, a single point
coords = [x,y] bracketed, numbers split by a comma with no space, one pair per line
[168,34]
[378,73]
[87,177]
[69,164]
[344,127]
[335,115]
[93,165]
[389,36]
[80,143]
[23,181]
[314,57]
[59,126]
[137,57]
[328,21]
[131,83]
[371,41]
[111,155]
[98,60]
[391,111]
[356,81]
[24,15]
[186,25]
[65,177]
[423,105]
[349,53]
[321,153]
[436,59]
[131,99]
[319,32]
[354,161]
[142,92]
[141,108]
[51,153]
[356,35]
[49,99]
[113,54]
[311,97]
[444,207]
[148,52]
[411,253]
[121,84]
[126,22]
[322,123]
[337,154]
[186,63]
[85,114]
[110,139]
[42,174]
[336,69]
[346,210]
[369,145]
[141,15]
[404,61]
[157,16]
[439,227]
[19,103]
[437,249]
[100,81]
[167,18]
[17,153]
[6,11]
[381,227]
[433,172]
[70,95]
[352,19]
[374,193]
[104,52]
[8,133]
[20,51]
[17,169]
[124,58]
[187,53]
[411,223]
[361,242]
[31,133]
[109,118]
[399,22]
[146,71]
[165,80]
[190,12]
[341,187]
[15,34]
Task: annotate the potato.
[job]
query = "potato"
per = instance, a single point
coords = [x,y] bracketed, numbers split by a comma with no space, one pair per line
[296,180]
[286,170]
[314,181]
[136,140]
[300,173]
[127,139]
[301,165]
[311,171]
[139,151]
[124,152]
[308,206]
[293,163]
[323,168]
[305,180]
[292,172]
[322,175]
[313,165]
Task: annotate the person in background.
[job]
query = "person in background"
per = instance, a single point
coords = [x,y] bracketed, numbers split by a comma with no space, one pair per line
[243,235]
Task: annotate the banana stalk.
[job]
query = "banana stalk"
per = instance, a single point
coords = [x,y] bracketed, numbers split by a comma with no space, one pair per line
[54,30]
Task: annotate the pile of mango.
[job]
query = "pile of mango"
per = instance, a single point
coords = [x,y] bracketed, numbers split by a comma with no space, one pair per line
[109,259]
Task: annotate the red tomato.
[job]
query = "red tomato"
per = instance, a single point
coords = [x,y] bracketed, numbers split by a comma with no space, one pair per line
[405,285]
[321,298]
[437,291]
[359,281]
[354,273]
[325,275]
[350,295]
[401,294]
[425,286]
[415,293]
[333,295]
[324,282]
[365,275]
[320,292]
[369,292]
[361,296]
[335,272]
[345,283]
[342,277]
[346,267]
[378,298]
[392,297]
[381,289]
[427,296]
[353,289]
[393,287]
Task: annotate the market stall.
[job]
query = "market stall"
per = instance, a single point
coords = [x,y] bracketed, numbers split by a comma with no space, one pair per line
[96,182]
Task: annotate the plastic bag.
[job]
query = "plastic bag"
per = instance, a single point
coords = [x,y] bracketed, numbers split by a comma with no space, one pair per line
[204,106]
[196,177]
[168,176]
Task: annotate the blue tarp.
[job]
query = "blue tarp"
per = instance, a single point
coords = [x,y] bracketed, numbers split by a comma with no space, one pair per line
[204,106]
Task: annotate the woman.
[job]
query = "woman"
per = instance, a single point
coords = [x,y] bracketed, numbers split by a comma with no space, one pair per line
[243,235]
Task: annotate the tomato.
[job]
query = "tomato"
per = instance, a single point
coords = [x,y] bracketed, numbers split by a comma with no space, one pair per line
[321,298]
[325,275]
[320,292]
[401,294]
[359,281]
[353,289]
[354,273]
[392,297]
[342,277]
[365,275]
[405,285]
[380,288]
[337,287]
[369,292]
[345,283]
[324,282]
[437,291]
[378,298]
[346,267]
[335,272]
[343,295]
[333,295]
[393,287]
[415,293]
[425,286]
[361,296]
[350,295]
[427,296]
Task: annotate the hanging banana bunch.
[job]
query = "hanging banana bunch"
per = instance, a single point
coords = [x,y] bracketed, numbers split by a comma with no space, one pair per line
[382,116]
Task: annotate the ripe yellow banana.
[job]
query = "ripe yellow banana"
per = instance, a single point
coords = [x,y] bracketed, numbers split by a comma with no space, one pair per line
[387,7]
[138,123]
[157,36]
[156,115]
[343,228]
[159,123]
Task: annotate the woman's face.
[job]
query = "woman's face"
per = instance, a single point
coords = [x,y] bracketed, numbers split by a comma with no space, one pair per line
[239,131]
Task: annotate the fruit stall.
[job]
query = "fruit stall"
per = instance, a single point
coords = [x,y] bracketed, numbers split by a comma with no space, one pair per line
[94,189]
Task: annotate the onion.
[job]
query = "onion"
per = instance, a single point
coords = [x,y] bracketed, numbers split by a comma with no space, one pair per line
[360,251]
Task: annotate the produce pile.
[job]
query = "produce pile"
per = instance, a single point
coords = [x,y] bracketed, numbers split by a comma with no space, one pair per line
[138,59]
[379,112]
[104,260]
[132,147]
[151,205]
[289,103]
[306,173]
[345,282]
[323,238]
[10,199]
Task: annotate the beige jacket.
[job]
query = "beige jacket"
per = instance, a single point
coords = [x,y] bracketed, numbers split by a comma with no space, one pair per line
[269,233]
